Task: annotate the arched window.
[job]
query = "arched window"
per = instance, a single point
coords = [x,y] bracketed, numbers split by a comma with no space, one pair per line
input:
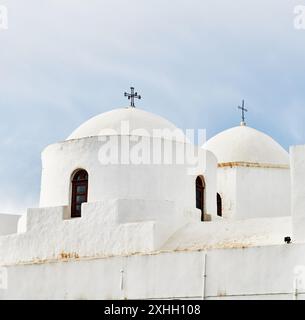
[219,205]
[79,192]
[200,191]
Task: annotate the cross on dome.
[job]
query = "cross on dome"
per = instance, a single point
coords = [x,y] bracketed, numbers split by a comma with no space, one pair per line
[131,96]
[243,110]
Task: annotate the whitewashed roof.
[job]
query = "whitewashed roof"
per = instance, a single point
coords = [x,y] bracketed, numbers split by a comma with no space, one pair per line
[140,123]
[245,144]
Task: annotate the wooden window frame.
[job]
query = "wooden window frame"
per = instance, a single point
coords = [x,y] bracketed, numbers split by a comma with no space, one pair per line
[79,179]
[219,205]
[200,187]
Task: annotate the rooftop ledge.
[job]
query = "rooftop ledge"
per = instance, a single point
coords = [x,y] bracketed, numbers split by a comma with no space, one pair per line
[252,165]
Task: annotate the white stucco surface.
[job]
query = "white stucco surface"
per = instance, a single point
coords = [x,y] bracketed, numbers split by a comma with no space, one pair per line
[140,235]
[253,171]
[297,163]
[268,272]
[124,181]
[227,189]
[48,235]
[230,234]
[261,192]
[8,223]
[245,144]
[127,121]
[118,227]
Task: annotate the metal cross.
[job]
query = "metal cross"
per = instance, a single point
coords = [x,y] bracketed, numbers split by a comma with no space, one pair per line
[243,110]
[131,96]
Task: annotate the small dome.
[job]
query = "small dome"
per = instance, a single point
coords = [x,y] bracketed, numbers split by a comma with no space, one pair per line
[245,144]
[128,121]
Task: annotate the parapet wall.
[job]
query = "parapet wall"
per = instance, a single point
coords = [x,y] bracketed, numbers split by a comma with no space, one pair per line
[8,223]
[118,227]
[106,228]
[270,272]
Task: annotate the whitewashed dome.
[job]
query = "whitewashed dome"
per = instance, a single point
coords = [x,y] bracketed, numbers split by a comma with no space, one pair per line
[140,123]
[245,144]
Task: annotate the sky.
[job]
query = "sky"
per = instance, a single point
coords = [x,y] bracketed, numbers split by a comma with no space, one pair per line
[193,61]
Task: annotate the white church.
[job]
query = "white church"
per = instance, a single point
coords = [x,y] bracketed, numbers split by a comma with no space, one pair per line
[126,213]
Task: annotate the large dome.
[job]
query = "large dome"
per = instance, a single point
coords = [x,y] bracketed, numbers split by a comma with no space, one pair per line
[140,123]
[245,144]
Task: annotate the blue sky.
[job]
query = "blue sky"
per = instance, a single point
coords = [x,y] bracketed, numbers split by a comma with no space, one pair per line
[193,61]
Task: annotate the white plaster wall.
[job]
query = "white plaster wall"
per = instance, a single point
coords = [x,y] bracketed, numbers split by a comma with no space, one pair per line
[44,234]
[172,182]
[228,234]
[118,227]
[263,192]
[245,273]
[226,187]
[8,223]
[250,192]
[297,163]
[210,176]
[262,272]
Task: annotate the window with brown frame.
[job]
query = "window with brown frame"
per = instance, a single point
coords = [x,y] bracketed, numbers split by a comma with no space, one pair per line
[79,192]
[200,191]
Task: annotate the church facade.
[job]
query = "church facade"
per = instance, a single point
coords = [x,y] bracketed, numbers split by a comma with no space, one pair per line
[131,208]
